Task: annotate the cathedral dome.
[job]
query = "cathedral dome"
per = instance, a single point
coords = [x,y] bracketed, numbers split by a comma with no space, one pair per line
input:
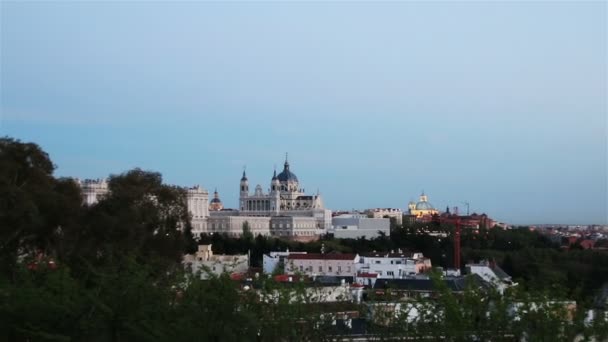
[286,175]
[216,204]
[424,206]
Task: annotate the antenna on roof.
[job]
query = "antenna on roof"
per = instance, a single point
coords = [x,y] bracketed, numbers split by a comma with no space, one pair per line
[467,204]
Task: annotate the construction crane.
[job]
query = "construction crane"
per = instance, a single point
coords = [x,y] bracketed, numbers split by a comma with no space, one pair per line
[467,204]
[457,240]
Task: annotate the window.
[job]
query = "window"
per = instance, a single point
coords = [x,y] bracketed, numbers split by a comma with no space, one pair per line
[377,261]
[339,268]
[301,268]
[347,268]
[390,273]
[320,268]
[329,268]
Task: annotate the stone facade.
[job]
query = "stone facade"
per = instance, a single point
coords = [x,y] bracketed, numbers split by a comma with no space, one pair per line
[393,213]
[339,265]
[93,190]
[198,207]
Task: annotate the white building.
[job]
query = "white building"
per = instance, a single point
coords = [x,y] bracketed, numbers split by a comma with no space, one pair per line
[93,190]
[398,265]
[233,225]
[340,265]
[198,207]
[491,273]
[207,263]
[272,260]
[353,226]
[396,214]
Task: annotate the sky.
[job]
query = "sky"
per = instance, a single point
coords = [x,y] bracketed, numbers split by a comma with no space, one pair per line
[499,104]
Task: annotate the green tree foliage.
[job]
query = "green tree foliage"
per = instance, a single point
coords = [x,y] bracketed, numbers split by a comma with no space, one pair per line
[140,217]
[35,208]
[113,272]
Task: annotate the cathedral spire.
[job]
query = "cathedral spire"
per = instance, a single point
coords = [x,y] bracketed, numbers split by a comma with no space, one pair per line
[286,161]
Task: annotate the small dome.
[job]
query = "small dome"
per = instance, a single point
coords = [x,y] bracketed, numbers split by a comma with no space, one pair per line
[216,204]
[424,206]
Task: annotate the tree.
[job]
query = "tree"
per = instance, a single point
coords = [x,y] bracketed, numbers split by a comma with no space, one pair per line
[35,208]
[141,217]
[247,234]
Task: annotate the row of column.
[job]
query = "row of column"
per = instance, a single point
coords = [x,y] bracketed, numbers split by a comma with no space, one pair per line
[258,205]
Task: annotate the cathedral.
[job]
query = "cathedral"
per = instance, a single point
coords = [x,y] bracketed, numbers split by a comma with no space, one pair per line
[284,211]
[285,196]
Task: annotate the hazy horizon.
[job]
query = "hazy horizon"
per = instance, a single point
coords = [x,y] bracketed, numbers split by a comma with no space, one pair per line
[502,105]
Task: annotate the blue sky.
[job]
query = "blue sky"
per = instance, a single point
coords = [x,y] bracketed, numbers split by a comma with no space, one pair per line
[502,105]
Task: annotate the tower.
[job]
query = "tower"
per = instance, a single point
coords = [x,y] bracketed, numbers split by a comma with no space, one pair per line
[275,193]
[244,190]
[290,187]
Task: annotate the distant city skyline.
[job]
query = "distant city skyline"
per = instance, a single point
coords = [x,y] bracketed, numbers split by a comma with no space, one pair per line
[499,104]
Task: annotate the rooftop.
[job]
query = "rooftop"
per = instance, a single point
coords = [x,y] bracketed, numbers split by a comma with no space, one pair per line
[318,256]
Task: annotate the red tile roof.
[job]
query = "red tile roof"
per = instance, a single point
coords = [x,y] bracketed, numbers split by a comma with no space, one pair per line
[313,256]
[367,275]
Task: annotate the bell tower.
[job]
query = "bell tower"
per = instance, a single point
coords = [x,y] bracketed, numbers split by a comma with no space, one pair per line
[275,193]
[244,193]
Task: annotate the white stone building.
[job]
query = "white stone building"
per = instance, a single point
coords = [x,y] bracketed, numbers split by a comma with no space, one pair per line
[93,190]
[340,265]
[207,263]
[198,207]
[396,214]
[233,224]
[354,226]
